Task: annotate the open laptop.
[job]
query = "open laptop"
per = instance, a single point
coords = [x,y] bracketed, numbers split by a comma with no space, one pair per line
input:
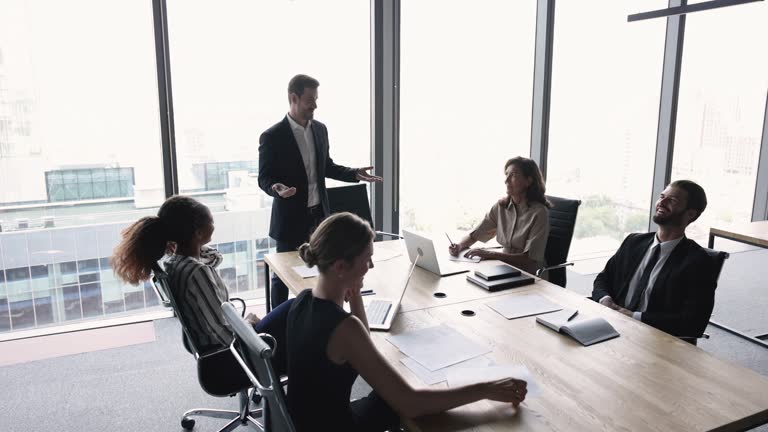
[428,260]
[381,311]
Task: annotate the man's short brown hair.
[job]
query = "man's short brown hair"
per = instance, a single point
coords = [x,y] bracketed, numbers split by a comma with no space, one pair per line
[697,198]
[300,82]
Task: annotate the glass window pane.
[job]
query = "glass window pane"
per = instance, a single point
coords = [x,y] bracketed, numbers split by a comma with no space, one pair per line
[5,315]
[134,299]
[465,107]
[224,100]
[91,296]
[150,295]
[606,80]
[85,191]
[22,311]
[98,175]
[84,176]
[44,307]
[112,295]
[70,295]
[80,125]
[222,122]
[723,86]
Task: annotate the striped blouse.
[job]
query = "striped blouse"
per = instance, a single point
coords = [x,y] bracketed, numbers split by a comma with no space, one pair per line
[199,291]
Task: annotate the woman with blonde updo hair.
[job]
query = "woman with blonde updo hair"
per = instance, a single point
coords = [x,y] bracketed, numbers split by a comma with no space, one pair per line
[328,347]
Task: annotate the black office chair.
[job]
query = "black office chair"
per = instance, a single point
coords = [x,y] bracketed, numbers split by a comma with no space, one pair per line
[562,220]
[254,356]
[718,258]
[218,372]
[353,199]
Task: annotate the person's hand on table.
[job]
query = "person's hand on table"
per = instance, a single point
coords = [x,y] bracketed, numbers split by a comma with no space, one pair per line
[283,190]
[455,249]
[608,302]
[481,253]
[510,390]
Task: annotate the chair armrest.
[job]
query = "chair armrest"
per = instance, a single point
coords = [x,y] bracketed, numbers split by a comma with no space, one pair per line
[242,303]
[543,269]
[690,338]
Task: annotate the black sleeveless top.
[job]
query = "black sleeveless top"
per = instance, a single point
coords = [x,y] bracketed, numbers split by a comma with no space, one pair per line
[318,389]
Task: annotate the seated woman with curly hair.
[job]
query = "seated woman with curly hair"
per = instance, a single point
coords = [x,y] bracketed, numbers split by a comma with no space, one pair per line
[181,229]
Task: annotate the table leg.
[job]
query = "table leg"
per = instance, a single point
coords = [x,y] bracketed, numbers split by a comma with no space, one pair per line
[267,282]
[711,241]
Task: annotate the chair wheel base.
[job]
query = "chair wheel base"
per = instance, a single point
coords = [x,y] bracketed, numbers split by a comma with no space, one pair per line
[187,423]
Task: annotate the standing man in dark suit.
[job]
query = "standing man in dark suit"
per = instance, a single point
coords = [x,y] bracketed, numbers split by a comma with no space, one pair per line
[294,161]
[663,278]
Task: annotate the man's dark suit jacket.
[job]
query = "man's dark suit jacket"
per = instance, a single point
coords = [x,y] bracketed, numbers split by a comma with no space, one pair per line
[683,294]
[280,162]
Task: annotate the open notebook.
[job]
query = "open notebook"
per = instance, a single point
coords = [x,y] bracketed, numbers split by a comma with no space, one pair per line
[587,331]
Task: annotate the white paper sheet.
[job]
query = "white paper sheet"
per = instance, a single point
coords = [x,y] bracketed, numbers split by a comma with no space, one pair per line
[385,255]
[306,272]
[458,377]
[519,306]
[428,377]
[437,347]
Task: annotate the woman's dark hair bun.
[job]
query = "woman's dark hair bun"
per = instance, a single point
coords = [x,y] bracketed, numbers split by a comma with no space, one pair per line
[306,254]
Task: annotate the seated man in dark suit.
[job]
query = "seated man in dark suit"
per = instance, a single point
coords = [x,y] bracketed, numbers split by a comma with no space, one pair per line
[663,279]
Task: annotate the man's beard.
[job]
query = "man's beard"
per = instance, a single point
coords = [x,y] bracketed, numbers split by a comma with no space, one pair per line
[668,219]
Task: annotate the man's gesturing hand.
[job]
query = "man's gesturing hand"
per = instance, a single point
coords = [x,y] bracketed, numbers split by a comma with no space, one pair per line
[283,190]
[363,175]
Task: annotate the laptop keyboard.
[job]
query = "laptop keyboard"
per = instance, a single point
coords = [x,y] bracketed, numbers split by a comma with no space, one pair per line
[377,311]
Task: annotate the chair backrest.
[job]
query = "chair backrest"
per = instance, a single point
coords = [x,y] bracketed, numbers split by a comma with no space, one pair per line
[719,258]
[562,220]
[255,358]
[353,199]
[217,371]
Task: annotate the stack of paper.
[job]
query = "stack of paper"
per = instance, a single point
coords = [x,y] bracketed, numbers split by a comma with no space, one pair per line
[437,347]
[306,272]
[440,353]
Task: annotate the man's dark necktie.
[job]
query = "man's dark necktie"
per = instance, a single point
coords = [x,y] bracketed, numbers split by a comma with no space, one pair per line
[642,285]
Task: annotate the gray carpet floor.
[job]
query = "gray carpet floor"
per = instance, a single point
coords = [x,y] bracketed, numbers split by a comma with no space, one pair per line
[146,387]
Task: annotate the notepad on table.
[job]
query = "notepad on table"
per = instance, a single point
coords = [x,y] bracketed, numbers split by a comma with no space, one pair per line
[501,271]
[586,331]
[501,284]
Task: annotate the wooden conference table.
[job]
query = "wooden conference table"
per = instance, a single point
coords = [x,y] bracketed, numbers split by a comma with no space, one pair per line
[645,380]
[751,233]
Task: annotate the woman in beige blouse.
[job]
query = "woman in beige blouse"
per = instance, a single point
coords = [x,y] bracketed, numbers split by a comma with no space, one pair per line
[519,221]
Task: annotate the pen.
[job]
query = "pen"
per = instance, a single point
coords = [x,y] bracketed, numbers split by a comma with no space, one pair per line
[367,292]
[574,315]
[449,240]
